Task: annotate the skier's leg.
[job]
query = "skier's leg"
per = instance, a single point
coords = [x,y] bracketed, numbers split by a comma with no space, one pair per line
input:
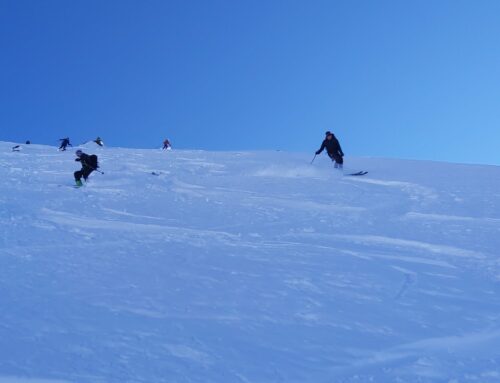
[78,178]
[86,173]
[338,160]
[78,175]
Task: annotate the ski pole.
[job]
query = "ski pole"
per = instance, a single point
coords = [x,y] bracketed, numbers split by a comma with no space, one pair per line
[313,158]
[97,170]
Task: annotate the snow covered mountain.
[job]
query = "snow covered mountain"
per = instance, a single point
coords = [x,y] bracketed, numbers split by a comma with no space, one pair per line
[247,267]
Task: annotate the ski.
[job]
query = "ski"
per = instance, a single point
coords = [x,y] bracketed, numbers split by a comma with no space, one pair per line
[360,173]
[70,186]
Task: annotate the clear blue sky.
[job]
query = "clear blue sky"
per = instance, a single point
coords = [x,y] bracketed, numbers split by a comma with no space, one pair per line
[408,79]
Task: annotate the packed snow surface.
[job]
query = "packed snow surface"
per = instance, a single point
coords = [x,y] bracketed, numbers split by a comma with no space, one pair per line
[247,267]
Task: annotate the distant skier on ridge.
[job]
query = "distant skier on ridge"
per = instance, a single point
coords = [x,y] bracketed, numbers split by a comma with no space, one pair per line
[333,149]
[166,145]
[89,164]
[99,142]
[64,143]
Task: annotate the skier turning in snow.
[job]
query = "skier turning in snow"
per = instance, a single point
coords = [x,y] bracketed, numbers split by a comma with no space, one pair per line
[64,143]
[89,164]
[333,149]
[99,142]
[166,145]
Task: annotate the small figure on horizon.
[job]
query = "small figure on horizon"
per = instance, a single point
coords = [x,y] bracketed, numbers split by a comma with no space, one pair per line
[333,149]
[89,164]
[64,143]
[166,145]
[98,141]
[28,142]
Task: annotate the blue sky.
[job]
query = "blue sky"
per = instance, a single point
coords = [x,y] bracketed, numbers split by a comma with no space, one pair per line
[407,79]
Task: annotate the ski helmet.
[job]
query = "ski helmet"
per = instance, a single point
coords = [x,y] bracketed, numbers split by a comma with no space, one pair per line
[78,153]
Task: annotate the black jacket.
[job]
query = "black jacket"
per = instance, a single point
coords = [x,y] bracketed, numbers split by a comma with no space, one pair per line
[332,147]
[88,161]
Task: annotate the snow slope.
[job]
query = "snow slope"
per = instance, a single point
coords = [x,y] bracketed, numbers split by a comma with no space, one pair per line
[247,267]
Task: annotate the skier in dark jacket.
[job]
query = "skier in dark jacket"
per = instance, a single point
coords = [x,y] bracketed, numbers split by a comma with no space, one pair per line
[64,143]
[332,146]
[89,164]
[166,144]
[99,142]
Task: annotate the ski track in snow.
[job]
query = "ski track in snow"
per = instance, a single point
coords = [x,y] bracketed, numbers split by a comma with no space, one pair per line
[246,267]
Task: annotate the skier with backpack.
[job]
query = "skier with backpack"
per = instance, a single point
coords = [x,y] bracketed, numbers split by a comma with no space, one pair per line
[333,149]
[89,164]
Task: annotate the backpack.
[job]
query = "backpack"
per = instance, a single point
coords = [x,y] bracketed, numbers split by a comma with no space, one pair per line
[93,161]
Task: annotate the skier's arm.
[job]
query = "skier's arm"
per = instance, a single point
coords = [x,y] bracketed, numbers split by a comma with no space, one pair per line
[321,149]
[82,159]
